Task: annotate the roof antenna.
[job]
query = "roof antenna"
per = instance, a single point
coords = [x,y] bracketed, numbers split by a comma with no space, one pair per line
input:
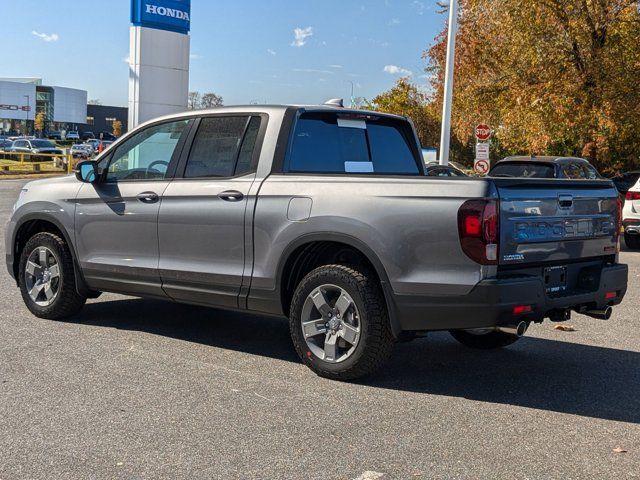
[335,102]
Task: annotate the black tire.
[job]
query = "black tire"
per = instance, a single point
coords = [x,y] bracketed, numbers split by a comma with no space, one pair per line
[486,341]
[67,302]
[632,241]
[376,339]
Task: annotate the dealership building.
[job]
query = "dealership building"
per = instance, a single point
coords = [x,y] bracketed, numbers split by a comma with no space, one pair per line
[22,98]
[64,109]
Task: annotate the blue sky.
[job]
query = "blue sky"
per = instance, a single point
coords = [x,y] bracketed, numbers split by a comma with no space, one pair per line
[244,50]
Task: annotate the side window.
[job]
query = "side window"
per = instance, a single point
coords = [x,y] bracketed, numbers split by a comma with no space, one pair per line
[248,145]
[590,173]
[146,155]
[324,143]
[572,171]
[216,147]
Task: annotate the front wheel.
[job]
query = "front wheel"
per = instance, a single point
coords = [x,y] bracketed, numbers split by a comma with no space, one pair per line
[339,323]
[47,279]
[483,339]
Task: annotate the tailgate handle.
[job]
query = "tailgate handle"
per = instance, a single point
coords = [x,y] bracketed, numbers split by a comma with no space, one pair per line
[565,201]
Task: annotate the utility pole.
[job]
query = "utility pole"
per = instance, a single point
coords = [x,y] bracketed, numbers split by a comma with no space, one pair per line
[445,135]
[26,121]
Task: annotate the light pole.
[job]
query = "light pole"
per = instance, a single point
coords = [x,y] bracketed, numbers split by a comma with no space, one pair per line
[352,99]
[26,122]
[445,135]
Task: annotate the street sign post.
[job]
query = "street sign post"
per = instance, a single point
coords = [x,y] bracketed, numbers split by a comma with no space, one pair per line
[483,132]
[481,167]
[482,151]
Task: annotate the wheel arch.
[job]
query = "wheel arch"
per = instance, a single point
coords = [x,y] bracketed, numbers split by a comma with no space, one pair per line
[302,249]
[31,224]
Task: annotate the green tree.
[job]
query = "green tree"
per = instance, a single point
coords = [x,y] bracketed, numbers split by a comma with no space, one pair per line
[554,76]
[406,99]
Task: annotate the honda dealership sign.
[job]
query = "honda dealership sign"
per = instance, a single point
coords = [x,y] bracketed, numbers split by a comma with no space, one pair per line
[158,58]
[171,15]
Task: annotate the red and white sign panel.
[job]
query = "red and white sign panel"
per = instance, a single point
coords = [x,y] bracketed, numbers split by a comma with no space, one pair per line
[481,167]
[482,151]
[483,132]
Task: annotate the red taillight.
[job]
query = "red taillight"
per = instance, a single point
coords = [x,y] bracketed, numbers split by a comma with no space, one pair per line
[632,196]
[618,222]
[479,230]
[520,309]
[610,295]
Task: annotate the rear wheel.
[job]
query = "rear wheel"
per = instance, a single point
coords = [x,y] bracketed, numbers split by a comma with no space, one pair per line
[339,323]
[483,338]
[632,241]
[47,279]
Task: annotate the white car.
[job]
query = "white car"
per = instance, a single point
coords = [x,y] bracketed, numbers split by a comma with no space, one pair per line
[72,136]
[631,217]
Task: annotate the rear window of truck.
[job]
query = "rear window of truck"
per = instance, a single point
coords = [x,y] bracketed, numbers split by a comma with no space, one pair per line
[329,143]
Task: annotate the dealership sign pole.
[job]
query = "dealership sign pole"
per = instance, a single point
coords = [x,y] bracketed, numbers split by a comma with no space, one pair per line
[158,58]
[445,135]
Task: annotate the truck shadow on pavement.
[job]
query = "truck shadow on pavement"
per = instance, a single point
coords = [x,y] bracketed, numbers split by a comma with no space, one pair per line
[536,373]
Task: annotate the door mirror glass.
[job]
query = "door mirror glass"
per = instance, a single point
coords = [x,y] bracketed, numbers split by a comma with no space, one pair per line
[87,172]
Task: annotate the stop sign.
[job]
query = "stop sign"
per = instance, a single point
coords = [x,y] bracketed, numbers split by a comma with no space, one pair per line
[483,132]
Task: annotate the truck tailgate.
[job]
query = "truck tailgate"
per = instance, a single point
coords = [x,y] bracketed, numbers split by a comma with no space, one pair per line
[556,220]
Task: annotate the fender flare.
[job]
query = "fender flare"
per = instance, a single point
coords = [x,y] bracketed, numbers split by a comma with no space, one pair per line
[81,285]
[360,246]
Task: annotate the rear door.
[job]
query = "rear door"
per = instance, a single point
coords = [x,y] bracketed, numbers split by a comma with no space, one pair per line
[556,220]
[203,213]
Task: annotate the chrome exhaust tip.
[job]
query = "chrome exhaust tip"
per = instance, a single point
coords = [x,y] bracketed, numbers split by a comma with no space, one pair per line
[517,329]
[604,314]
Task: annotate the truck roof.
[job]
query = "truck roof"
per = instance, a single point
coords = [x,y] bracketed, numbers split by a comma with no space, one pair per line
[273,109]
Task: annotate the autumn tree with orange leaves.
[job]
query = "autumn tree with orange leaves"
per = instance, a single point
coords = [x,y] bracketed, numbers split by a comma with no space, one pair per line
[551,76]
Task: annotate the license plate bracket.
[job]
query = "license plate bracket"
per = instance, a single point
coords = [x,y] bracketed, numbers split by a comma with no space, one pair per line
[555,279]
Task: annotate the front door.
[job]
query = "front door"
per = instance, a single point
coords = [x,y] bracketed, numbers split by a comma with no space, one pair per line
[203,215]
[117,218]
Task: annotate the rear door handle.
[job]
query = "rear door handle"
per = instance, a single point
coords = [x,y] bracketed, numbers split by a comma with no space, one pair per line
[148,197]
[231,196]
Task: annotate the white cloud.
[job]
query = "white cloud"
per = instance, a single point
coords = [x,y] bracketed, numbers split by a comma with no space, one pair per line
[394,21]
[335,66]
[126,59]
[54,37]
[313,70]
[300,36]
[195,56]
[419,7]
[396,70]
[271,52]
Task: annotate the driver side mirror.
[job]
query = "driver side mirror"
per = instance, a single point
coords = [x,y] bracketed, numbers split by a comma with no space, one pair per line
[87,171]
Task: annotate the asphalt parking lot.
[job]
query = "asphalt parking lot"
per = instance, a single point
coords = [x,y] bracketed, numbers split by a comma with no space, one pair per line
[143,389]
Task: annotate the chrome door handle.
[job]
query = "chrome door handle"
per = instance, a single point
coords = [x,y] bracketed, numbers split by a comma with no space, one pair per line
[148,197]
[231,196]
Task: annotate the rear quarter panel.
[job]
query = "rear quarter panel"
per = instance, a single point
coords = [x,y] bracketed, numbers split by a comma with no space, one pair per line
[409,223]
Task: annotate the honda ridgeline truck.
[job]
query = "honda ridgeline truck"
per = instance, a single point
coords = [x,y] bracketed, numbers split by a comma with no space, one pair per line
[324,215]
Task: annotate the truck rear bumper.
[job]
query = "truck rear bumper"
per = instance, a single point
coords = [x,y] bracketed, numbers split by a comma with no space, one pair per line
[491,303]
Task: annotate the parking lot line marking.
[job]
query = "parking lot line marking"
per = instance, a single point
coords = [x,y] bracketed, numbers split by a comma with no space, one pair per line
[370,475]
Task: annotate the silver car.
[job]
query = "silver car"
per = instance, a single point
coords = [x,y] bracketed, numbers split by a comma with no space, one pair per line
[324,215]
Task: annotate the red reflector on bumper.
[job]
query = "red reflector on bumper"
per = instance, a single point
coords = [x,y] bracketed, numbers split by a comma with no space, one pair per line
[520,309]
[610,295]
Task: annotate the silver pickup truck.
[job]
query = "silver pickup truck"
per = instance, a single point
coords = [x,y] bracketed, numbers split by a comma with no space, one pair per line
[324,215]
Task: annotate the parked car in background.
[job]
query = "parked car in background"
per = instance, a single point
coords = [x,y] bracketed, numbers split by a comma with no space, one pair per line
[434,169]
[5,145]
[545,167]
[631,216]
[86,136]
[73,135]
[81,151]
[624,181]
[35,146]
[55,135]
[107,136]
